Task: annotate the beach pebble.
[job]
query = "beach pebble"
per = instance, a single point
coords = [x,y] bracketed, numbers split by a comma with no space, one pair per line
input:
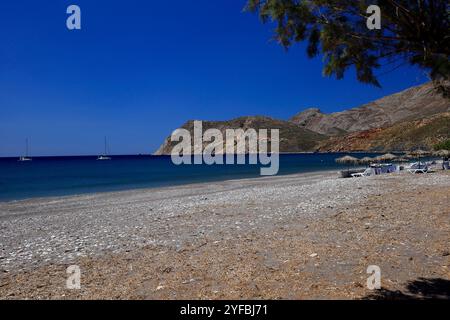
[59,231]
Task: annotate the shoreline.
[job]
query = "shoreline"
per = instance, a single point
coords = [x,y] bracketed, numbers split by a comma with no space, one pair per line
[233,184]
[293,237]
[168,155]
[35,189]
[57,215]
[181,184]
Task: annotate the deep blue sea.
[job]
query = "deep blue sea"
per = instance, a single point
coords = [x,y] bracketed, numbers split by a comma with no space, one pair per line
[56,176]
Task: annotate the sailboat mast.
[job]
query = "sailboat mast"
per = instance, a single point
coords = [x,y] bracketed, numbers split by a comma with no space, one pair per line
[105,146]
[26,147]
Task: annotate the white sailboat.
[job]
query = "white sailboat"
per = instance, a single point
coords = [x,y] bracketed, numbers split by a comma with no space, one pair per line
[104,156]
[26,157]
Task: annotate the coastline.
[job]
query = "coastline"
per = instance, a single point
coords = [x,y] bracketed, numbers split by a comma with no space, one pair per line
[81,176]
[195,188]
[180,184]
[293,236]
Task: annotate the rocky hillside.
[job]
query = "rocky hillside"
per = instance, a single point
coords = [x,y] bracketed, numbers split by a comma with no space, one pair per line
[407,135]
[415,118]
[412,104]
[293,138]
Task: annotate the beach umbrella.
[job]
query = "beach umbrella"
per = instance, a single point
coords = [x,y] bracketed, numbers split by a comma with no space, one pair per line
[442,153]
[418,153]
[386,157]
[366,160]
[401,159]
[347,160]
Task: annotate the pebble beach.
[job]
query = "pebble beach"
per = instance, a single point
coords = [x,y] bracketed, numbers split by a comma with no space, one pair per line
[302,236]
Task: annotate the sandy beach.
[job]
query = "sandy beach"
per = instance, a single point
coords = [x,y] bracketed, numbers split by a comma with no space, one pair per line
[302,236]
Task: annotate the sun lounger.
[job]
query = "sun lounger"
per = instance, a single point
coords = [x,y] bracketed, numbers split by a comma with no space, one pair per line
[418,170]
[366,173]
[418,167]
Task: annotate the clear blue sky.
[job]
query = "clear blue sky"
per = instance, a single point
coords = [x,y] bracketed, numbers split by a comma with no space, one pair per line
[139,69]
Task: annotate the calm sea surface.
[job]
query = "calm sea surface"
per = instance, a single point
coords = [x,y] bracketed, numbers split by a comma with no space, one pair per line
[55,176]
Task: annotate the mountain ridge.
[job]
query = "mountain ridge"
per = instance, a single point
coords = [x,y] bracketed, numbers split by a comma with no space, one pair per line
[385,124]
[407,135]
[410,104]
[292,137]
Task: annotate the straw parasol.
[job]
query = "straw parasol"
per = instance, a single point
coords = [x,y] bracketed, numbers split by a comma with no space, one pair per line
[386,157]
[442,153]
[366,160]
[347,160]
[401,159]
[418,153]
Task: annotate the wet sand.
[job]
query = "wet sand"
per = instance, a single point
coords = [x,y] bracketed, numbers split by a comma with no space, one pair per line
[300,236]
